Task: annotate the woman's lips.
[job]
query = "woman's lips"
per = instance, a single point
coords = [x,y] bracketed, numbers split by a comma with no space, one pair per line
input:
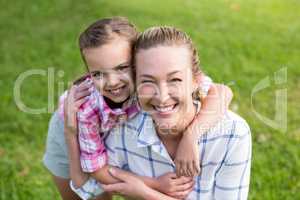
[165,111]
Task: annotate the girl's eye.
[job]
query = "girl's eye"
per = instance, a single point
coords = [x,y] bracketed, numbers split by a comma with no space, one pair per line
[122,68]
[98,75]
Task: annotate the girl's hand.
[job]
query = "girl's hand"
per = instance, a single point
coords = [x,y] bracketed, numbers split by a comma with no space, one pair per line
[175,187]
[76,97]
[187,157]
[214,105]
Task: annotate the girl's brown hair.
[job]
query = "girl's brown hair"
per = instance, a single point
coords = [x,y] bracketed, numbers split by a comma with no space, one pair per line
[105,30]
[168,36]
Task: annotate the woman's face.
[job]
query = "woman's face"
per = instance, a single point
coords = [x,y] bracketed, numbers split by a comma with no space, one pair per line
[164,85]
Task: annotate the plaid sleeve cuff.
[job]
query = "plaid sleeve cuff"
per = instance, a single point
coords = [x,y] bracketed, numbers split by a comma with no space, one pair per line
[205,85]
[89,190]
[91,163]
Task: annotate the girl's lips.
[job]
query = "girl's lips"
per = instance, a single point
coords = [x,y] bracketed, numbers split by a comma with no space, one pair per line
[117,91]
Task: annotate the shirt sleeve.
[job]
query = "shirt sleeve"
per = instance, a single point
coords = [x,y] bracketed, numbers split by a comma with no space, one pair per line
[93,154]
[113,144]
[89,190]
[61,104]
[204,85]
[232,180]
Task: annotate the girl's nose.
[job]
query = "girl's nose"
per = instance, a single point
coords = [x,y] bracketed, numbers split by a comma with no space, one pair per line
[112,79]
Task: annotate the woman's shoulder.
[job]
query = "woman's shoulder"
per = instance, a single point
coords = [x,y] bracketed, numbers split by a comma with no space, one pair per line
[231,125]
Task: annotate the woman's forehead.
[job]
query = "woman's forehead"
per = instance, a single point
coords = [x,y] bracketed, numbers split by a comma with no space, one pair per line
[163,60]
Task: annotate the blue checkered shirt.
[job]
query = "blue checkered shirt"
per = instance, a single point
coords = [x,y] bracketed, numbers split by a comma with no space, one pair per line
[225,156]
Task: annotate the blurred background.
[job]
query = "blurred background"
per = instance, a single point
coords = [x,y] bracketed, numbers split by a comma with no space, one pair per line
[253,46]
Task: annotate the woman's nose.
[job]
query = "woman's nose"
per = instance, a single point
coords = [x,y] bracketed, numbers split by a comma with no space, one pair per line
[163,93]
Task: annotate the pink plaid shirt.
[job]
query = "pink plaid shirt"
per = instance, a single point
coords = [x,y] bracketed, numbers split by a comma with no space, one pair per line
[95,118]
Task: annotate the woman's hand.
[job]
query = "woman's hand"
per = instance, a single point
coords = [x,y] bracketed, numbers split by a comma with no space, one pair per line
[175,187]
[130,185]
[76,97]
[136,188]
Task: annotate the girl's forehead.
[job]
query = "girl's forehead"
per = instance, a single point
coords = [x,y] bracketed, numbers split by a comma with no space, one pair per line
[108,56]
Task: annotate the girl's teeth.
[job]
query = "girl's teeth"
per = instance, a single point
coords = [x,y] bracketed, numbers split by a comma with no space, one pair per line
[115,92]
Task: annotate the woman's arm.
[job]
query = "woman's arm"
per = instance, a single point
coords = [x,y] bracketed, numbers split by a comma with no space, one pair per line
[134,187]
[214,105]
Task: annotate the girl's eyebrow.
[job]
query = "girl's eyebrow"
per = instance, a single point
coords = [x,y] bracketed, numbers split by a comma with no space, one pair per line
[147,76]
[114,68]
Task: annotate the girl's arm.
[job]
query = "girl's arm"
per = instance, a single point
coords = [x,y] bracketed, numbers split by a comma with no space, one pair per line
[74,99]
[167,183]
[214,105]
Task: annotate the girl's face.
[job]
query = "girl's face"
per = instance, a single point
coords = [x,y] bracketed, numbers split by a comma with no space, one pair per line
[110,68]
[164,85]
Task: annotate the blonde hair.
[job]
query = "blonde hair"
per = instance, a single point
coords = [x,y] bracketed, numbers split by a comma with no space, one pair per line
[167,36]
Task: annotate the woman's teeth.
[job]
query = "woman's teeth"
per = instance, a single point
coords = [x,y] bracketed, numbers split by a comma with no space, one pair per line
[164,109]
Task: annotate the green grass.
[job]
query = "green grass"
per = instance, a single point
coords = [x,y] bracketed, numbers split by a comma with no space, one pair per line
[240,42]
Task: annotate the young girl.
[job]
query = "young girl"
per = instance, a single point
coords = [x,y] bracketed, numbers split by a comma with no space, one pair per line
[109,99]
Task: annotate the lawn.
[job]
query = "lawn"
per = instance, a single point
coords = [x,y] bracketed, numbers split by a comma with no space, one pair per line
[240,42]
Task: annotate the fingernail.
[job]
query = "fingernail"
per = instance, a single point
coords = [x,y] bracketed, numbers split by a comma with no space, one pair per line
[111,170]
[91,89]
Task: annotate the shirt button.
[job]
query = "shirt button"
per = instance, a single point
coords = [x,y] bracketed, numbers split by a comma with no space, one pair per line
[122,118]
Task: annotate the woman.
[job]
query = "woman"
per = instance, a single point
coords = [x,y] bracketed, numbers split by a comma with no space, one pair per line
[166,63]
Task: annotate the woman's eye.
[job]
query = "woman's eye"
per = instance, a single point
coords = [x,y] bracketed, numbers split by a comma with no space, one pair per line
[176,80]
[146,81]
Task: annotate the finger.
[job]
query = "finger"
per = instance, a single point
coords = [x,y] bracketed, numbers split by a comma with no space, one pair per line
[82,94]
[197,167]
[182,194]
[172,175]
[84,85]
[182,180]
[185,193]
[178,168]
[119,174]
[184,187]
[116,187]
[190,169]
[78,103]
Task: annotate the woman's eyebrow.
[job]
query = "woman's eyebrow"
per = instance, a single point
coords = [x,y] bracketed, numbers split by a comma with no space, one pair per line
[174,72]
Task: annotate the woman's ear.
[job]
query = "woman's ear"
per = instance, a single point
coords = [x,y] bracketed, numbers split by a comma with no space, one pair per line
[198,78]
